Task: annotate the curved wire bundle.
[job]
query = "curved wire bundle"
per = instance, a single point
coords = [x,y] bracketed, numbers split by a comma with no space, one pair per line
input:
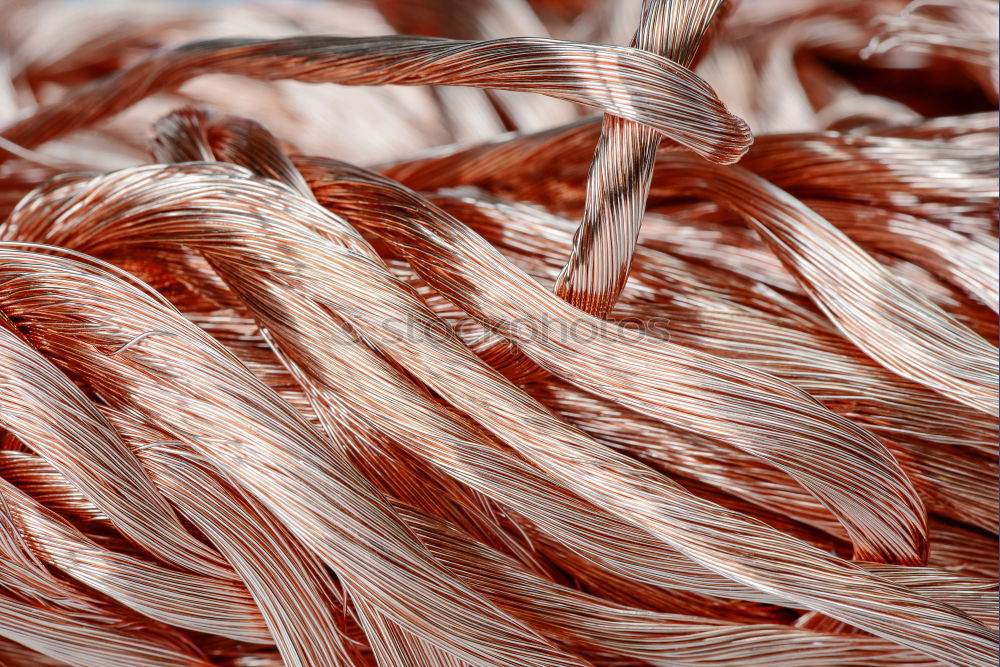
[509,402]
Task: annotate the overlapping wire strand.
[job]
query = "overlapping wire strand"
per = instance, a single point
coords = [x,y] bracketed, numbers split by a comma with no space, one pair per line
[513,402]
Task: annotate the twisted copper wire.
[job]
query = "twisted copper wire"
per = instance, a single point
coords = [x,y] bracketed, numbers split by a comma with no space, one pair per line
[290,411]
[818,254]
[376,547]
[955,377]
[630,83]
[492,305]
[927,432]
[532,493]
[45,408]
[956,30]
[618,182]
[455,551]
[24,224]
[951,257]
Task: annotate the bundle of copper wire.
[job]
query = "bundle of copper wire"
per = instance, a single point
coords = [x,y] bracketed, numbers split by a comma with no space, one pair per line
[498,332]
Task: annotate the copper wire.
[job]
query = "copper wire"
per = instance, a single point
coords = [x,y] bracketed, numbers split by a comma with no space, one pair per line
[563,391]
[619,177]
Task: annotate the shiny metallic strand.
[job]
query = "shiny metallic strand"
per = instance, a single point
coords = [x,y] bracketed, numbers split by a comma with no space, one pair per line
[972,384]
[618,182]
[954,259]
[308,337]
[186,601]
[654,628]
[287,583]
[960,30]
[471,112]
[577,618]
[479,462]
[79,642]
[201,172]
[940,352]
[630,83]
[43,407]
[532,492]
[291,411]
[927,431]
[538,340]
[182,410]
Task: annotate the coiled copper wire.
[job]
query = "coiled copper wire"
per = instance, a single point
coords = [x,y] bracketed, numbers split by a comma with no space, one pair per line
[513,401]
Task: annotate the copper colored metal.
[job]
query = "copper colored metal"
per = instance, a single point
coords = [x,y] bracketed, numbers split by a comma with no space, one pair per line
[541,388]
